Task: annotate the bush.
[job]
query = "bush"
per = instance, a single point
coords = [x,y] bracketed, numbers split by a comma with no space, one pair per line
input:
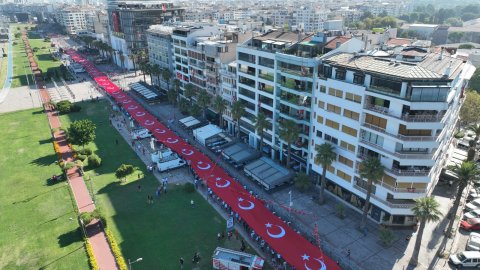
[91,258]
[64,106]
[302,182]
[95,214]
[94,161]
[123,171]
[459,135]
[189,188]
[386,236]
[85,151]
[122,265]
[81,157]
[340,210]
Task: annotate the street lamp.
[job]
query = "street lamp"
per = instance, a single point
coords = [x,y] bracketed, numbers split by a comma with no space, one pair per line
[132,262]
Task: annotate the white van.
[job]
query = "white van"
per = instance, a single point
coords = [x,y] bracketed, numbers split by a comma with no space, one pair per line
[473,242]
[466,259]
[140,133]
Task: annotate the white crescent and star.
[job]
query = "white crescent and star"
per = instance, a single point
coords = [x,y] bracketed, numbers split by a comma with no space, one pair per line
[272,235]
[116,92]
[140,114]
[201,167]
[226,184]
[159,131]
[241,206]
[170,140]
[132,107]
[306,258]
[126,101]
[187,152]
[148,122]
[121,96]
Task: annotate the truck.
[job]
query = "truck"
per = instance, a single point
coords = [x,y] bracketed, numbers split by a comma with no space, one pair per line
[166,160]
[140,133]
[226,259]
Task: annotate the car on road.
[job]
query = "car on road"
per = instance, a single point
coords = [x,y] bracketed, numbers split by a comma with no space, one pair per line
[472,214]
[475,204]
[466,259]
[473,242]
[471,224]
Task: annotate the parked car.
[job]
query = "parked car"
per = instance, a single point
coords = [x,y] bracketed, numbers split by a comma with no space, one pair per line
[466,258]
[472,214]
[471,224]
[475,204]
[473,242]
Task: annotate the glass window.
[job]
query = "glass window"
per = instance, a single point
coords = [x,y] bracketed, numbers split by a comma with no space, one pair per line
[344,176]
[345,161]
[332,124]
[350,131]
[340,74]
[358,78]
[353,97]
[331,139]
[347,146]
[376,121]
[335,92]
[351,114]
[334,109]
[320,119]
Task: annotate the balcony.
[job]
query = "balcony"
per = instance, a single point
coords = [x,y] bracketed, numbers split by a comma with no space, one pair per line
[296,85]
[400,136]
[246,81]
[415,171]
[379,109]
[405,204]
[200,65]
[423,117]
[298,101]
[266,88]
[401,155]
[266,76]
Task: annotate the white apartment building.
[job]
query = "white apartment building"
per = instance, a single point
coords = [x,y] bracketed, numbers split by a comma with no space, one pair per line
[309,19]
[72,19]
[400,109]
[228,91]
[160,51]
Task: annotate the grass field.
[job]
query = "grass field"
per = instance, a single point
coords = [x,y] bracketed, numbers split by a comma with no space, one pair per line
[3,65]
[21,67]
[160,233]
[37,221]
[43,55]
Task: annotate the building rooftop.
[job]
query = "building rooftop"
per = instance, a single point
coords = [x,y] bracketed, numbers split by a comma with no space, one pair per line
[431,67]
[332,44]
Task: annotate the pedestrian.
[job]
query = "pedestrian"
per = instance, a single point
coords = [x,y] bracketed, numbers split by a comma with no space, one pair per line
[192,203]
[348,253]
[116,141]
[148,199]
[195,182]
[139,175]
[139,188]
[158,192]
[165,189]
[181,262]
[219,236]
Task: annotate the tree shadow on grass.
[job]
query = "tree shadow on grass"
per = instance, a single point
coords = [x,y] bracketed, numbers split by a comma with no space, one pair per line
[49,140]
[70,237]
[45,160]
[61,257]
[37,112]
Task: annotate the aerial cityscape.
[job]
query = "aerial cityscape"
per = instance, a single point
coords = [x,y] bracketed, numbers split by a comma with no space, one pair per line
[151,134]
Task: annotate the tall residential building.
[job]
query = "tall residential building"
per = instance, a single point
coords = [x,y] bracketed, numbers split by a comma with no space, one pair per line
[401,108]
[73,19]
[228,91]
[129,21]
[160,50]
[309,19]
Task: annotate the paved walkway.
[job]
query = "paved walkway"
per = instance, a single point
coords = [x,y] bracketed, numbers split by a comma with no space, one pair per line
[95,232]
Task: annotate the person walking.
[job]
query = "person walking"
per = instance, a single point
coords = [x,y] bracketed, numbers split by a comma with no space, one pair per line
[181,262]
[139,188]
[192,203]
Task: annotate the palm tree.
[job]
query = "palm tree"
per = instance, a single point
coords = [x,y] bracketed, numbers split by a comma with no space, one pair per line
[425,210]
[134,56]
[473,143]
[166,76]
[203,100]
[238,110]
[289,132]
[465,174]
[220,106]
[325,156]
[156,71]
[143,67]
[122,59]
[476,129]
[189,92]
[372,170]
[261,123]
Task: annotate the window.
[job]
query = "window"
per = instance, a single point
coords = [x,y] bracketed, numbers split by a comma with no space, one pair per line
[340,74]
[321,104]
[353,97]
[345,161]
[331,139]
[320,119]
[331,169]
[333,108]
[347,146]
[414,132]
[332,124]
[376,121]
[372,137]
[319,134]
[344,176]
[358,78]
[350,131]
[335,92]
[327,71]
[351,114]
[323,89]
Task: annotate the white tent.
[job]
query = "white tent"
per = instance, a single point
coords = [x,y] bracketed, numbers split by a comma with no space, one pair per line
[203,133]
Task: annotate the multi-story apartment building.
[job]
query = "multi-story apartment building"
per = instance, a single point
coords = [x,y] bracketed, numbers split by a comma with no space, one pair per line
[402,109]
[309,19]
[228,91]
[129,21]
[97,24]
[73,19]
[160,50]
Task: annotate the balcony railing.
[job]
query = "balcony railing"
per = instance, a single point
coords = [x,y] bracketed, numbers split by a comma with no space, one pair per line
[408,172]
[410,155]
[423,117]
[400,136]
[379,109]
[296,101]
[299,73]
[266,76]
[389,204]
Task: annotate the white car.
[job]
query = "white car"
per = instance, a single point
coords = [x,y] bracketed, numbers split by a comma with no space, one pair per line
[475,204]
[141,133]
[466,259]
[472,214]
[473,242]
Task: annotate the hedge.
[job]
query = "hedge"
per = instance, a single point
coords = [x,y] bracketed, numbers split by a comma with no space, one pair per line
[122,265]
[91,258]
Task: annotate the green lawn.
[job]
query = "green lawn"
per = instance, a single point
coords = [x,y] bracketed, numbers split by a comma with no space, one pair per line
[43,55]
[160,233]
[37,221]
[21,67]
[3,65]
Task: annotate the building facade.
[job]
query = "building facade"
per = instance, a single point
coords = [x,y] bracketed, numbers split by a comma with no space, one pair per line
[160,51]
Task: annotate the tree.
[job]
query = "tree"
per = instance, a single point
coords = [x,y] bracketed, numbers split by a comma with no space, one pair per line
[143,68]
[455,37]
[238,110]
[456,22]
[183,105]
[220,106]
[475,81]
[122,60]
[124,171]
[289,132]
[150,70]
[372,170]
[469,112]
[156,70]
[203,100]
[465,174]
[425,210]
[195,110]
[261,123]
[189,92]
[166,76]
[302,182]
[476,129]
[466,46]
[81,132]
[325,156]
[134,57]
